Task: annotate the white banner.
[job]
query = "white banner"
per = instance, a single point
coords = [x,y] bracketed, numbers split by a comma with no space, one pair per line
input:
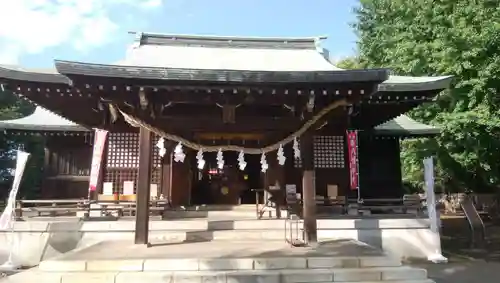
[95,170]
[7,217]
[437,256]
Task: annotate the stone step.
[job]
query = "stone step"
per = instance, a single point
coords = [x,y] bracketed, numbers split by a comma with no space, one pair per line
[217,207]
[234,214]
[203,236]
[187,225]
[218,264]
[359,275]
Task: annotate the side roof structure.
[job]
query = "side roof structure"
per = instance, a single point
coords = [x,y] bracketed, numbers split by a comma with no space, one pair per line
[42,120]
[406,126]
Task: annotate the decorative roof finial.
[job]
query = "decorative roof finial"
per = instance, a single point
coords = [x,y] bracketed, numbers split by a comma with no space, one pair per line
[138,40]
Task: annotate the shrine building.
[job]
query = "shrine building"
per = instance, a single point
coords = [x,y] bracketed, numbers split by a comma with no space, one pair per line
[272,99]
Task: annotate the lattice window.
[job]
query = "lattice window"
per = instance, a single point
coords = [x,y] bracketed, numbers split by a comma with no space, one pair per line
[123,150]
[297,162]
[156,156]
[123,160]
[329,152]
[156,162]
[119,175]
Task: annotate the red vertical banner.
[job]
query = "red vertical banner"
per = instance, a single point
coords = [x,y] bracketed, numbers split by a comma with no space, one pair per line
[97,153]
[352,149]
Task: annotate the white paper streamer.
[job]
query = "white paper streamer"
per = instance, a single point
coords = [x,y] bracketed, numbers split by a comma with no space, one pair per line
[241,161]
[296,148]
[263,163]
[220,159]
[179,155]
[199,158]
[281,156]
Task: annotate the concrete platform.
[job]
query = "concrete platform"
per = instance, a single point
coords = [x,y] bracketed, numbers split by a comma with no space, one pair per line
[263,262]
[46,239]
[119,250]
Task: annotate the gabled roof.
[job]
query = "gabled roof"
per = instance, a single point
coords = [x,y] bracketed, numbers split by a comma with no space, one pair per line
[406,126]
[228,53]
[226,59]
[42,120]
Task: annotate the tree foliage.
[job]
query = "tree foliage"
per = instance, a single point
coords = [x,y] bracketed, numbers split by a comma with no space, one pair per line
[443,37]
[11,108]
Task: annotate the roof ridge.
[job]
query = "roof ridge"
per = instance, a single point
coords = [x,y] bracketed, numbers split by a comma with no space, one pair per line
[229,37]
[148,38]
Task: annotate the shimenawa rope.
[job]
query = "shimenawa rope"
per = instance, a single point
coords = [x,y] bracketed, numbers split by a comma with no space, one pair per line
[135,122]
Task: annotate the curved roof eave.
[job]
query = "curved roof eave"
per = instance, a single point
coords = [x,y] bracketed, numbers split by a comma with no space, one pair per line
[220,75]
[33,75]
[406,126]
[408,83]
[42,120]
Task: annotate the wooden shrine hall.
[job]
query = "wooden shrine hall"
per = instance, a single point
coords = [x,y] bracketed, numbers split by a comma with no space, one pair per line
[257,113]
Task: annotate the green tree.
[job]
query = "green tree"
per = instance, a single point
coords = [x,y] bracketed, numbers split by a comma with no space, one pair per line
[12,107]
[444,37]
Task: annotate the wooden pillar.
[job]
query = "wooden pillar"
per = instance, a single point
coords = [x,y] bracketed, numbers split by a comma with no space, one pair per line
[102,171]
[166,175]
[308,188]
[46,169]
[276,177]
[143,188]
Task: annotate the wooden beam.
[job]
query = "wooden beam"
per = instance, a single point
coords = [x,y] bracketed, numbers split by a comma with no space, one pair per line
[215,124]
[229,136]
[308,187]
[143,188]
[265,97]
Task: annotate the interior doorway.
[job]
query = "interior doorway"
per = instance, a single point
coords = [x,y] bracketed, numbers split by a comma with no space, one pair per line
[229,185]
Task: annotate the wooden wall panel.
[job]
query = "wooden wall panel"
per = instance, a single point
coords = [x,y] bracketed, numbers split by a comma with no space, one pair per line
[181,181]
[379,168]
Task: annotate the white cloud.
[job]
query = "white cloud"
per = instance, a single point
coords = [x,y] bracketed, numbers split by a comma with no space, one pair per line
[31,26]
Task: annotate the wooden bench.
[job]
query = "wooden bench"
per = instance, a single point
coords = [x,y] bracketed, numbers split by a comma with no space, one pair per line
[50,206]
[127,208]
[368,206]
[412,204]
[331,204]
[84,207]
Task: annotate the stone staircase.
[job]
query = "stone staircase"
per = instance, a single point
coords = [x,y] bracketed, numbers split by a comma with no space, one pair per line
[262,270]
[223,262]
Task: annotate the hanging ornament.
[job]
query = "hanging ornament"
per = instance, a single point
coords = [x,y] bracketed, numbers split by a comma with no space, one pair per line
[179,153]
[241,161]
[161,147]
[201,161]
[161,143]
[220,159]
[296,148]
[281,155]
[162,152]
[263,163]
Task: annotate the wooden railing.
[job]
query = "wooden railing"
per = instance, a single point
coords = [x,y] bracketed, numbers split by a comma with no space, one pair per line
[53,207]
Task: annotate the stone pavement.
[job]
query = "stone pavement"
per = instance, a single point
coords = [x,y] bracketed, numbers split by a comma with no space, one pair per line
[242,261]
[460,270]
[116,250]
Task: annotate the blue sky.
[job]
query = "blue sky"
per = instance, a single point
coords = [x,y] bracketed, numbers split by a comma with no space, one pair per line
[96,30]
